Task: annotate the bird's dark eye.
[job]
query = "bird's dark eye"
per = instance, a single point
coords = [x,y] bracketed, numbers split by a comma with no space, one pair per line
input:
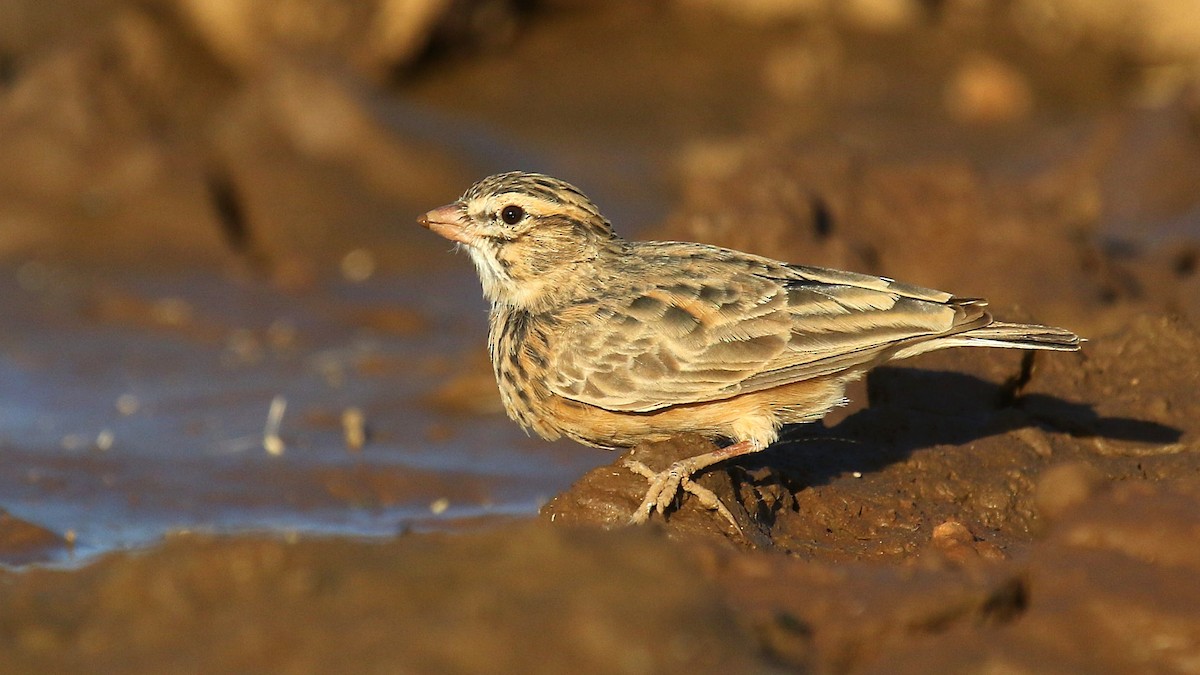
[512,214]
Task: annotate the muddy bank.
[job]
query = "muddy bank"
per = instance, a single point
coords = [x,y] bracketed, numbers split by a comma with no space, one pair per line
[427,603]
[1105,589]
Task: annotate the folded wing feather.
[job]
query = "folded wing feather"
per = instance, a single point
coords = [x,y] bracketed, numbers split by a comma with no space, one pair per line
[686,341]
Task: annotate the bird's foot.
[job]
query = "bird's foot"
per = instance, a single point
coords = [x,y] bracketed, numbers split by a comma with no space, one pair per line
[665,486]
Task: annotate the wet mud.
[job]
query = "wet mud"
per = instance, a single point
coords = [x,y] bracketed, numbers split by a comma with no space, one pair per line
[247,421]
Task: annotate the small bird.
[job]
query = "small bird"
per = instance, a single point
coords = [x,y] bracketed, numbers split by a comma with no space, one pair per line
[611,342]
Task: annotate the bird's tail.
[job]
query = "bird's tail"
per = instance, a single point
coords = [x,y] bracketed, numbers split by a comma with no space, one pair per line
[1020,336]
[1001,334]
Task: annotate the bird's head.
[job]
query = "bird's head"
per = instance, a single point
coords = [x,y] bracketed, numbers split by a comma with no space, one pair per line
[530,236]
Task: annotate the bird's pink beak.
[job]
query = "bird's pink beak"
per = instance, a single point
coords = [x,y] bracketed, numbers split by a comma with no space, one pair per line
[448,221]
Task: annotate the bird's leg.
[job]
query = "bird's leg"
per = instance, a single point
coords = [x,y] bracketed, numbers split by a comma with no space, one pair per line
[664,485]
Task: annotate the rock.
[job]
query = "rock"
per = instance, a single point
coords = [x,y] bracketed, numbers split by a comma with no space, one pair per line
[608,495]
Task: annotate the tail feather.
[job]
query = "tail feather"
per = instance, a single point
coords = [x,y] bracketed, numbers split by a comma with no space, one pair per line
[1000,334]
[1022,336]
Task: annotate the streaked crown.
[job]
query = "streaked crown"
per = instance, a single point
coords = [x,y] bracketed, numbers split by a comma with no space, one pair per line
[537,196]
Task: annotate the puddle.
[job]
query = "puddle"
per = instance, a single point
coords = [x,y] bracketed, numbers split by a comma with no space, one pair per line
[136,406]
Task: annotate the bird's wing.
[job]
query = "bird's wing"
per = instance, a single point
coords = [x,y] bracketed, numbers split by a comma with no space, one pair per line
[691,338]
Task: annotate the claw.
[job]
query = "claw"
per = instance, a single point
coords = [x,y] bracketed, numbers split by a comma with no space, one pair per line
[665,487]
[709,500]
[639,468]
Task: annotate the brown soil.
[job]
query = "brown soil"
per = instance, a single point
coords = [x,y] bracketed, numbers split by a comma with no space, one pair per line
[203,214]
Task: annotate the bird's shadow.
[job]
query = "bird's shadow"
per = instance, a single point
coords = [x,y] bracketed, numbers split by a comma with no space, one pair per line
[910,409]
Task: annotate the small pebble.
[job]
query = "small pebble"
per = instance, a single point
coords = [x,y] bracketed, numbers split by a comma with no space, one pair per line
[354,428]
[952,533]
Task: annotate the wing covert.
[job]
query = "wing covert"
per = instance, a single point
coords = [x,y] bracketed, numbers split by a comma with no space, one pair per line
[733,331]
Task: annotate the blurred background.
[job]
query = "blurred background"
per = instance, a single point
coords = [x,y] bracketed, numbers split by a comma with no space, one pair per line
[219,313]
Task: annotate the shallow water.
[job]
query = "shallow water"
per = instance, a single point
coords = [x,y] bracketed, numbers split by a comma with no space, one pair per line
[136,406]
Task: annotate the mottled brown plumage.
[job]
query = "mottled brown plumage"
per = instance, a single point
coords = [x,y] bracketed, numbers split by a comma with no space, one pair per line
[612,342]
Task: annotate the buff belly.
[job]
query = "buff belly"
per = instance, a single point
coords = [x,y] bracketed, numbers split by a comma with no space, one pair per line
[755,416]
